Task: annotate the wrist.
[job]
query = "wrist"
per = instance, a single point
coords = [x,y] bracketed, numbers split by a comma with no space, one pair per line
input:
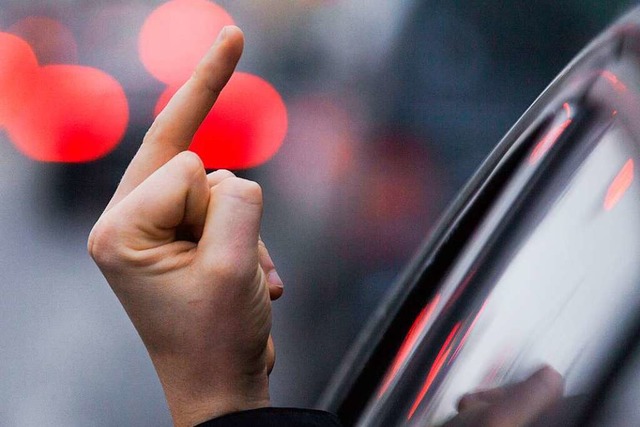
[193,414]
[194,402]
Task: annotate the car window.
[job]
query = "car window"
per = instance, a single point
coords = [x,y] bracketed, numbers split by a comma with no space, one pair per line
[550,276]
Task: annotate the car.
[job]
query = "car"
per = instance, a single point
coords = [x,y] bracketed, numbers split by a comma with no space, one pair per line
[535,262]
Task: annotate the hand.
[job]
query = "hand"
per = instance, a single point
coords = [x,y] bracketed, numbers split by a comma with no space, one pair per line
[181,250]
[510,406]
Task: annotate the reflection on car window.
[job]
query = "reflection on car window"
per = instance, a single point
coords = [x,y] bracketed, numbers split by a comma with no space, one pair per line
[564,294]
[550,275]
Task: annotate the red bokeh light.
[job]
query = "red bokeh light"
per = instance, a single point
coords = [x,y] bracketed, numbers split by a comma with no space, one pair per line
[249,121]
[58,113]
[52,42]
[76,114]
[17,70]
[245,128]
[176,36]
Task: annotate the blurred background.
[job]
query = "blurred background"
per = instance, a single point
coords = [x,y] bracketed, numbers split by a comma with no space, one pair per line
[390,107]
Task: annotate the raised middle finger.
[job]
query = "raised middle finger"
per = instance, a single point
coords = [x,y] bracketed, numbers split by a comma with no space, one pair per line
[173,129]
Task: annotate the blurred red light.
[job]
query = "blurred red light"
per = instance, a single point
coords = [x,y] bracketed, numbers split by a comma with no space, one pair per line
[52,42]
[249,121]
[619,186]
[245,128]
[176,36]
[17,72]
[74,114]
[58,113]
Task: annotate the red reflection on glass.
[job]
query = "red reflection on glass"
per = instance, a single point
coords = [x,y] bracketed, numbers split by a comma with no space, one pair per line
[438,363]
[58,113]
[245,128]
[551,137]
[176,36]
[614,80]
[52,42]
[619,186]
[469,330]
[409,343]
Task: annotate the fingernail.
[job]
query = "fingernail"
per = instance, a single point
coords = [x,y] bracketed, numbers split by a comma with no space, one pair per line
[274,279]
[222,35]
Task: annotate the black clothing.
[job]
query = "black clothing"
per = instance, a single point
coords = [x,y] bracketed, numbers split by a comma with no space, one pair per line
[275,417]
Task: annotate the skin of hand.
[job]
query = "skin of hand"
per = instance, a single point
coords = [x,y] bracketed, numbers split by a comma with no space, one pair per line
[181,251]
[513,405]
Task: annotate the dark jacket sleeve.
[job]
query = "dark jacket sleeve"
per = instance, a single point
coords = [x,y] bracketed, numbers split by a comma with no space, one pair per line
[272,417]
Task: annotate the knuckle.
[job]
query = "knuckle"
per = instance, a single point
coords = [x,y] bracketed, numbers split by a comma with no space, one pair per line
[189,162]
[224,270]
[221,174]
[227,270]
[243,189]
[225,172]
[110,247]
[102,242]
